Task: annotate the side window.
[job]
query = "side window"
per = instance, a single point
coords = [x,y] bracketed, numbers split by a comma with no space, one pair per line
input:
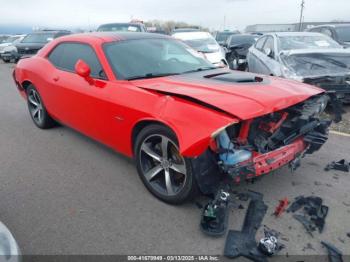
[326,31]
[317,29]
[56,55]
[270,44]
[66,55]
[259,44]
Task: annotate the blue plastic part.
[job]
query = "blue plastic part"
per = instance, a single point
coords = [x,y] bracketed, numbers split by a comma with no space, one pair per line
[232,156]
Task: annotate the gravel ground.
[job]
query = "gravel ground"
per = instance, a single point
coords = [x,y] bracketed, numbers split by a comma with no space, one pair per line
[62,193]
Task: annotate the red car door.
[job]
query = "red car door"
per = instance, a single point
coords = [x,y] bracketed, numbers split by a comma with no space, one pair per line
[76,102]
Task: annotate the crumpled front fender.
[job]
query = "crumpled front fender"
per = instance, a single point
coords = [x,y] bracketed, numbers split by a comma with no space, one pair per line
[193,124]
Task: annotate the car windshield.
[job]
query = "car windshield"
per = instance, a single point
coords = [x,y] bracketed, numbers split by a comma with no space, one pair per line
[11,39]
[243,39]
[41,38]
[201,41]
[306,42]
[223,36]
[147,58]
[119,28]
[3,39]
[343,33]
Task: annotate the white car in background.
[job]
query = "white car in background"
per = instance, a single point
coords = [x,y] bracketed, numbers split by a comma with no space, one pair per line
[8,49]
[205,44]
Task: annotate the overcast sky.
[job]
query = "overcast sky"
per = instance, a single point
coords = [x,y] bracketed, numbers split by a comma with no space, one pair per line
[208,13]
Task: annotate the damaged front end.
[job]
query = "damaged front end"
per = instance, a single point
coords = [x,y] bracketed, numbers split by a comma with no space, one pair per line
[261,145]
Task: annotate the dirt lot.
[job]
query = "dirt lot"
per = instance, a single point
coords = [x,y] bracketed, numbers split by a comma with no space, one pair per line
[62,193]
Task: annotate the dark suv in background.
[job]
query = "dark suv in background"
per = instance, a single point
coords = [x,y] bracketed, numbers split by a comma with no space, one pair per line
[33,42]
[122,27]
[339,32]
[221,37]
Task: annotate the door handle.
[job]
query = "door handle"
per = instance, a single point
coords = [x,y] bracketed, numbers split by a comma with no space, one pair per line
[56,78]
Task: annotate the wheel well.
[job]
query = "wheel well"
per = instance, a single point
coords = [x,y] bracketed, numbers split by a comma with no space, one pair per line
[25,84]
[141,125]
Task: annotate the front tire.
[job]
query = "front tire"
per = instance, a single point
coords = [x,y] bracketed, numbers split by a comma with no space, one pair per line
[164,172]
[37,109]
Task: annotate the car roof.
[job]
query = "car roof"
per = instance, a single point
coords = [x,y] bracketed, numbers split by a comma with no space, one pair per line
[50,32]
[125,23]
[105,37]
[330,25]
[191,35]
[278,34]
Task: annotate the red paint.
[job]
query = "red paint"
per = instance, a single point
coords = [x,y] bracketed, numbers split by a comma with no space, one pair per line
[108,110]
[282,206]
[244,131]
[265,163]
[273,126]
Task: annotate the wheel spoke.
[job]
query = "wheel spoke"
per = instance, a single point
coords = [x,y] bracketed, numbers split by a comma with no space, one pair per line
[35,112]
[40,115]
[164,146]
[36,97]
[169,185]
[31,100]
[145,148]
[153,172]
[180,168]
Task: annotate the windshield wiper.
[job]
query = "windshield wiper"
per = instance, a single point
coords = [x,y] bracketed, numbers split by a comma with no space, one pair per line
[200,69]
[150,75]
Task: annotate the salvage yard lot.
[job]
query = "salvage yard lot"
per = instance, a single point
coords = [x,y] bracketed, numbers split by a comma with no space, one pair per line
[62,193]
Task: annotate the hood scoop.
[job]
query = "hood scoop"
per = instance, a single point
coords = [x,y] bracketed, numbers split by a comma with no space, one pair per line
[236,77]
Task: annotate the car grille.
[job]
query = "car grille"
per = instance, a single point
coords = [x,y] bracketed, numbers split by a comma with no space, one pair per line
[27,52]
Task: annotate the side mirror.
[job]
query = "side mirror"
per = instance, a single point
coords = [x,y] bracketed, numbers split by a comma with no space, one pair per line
[268,52]
[82,69]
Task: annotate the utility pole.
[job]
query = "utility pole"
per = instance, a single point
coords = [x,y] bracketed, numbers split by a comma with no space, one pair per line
[301,14]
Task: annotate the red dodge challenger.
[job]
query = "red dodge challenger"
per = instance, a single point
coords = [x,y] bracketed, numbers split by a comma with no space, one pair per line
[188,125]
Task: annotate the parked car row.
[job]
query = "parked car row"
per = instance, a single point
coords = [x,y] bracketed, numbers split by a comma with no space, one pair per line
[308,57]
[15,47]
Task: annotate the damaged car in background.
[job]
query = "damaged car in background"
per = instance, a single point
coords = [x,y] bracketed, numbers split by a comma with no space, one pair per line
[187,124]
[308,57]
[237,47]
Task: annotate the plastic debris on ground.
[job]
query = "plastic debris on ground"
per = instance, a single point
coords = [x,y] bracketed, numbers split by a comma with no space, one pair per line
[334,254]
[243,243]
[341,165]
[215,215]
[269,244]
[313,215]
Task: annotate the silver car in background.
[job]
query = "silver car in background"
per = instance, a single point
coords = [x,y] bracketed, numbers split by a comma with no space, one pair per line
[205,44]
[307,57]
[8,50]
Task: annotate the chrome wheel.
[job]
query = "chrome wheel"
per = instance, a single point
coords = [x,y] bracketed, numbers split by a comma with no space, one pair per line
[35,106]
[162,166]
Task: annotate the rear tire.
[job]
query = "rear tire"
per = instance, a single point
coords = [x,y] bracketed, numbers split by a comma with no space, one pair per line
[164,172]
[37,110]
